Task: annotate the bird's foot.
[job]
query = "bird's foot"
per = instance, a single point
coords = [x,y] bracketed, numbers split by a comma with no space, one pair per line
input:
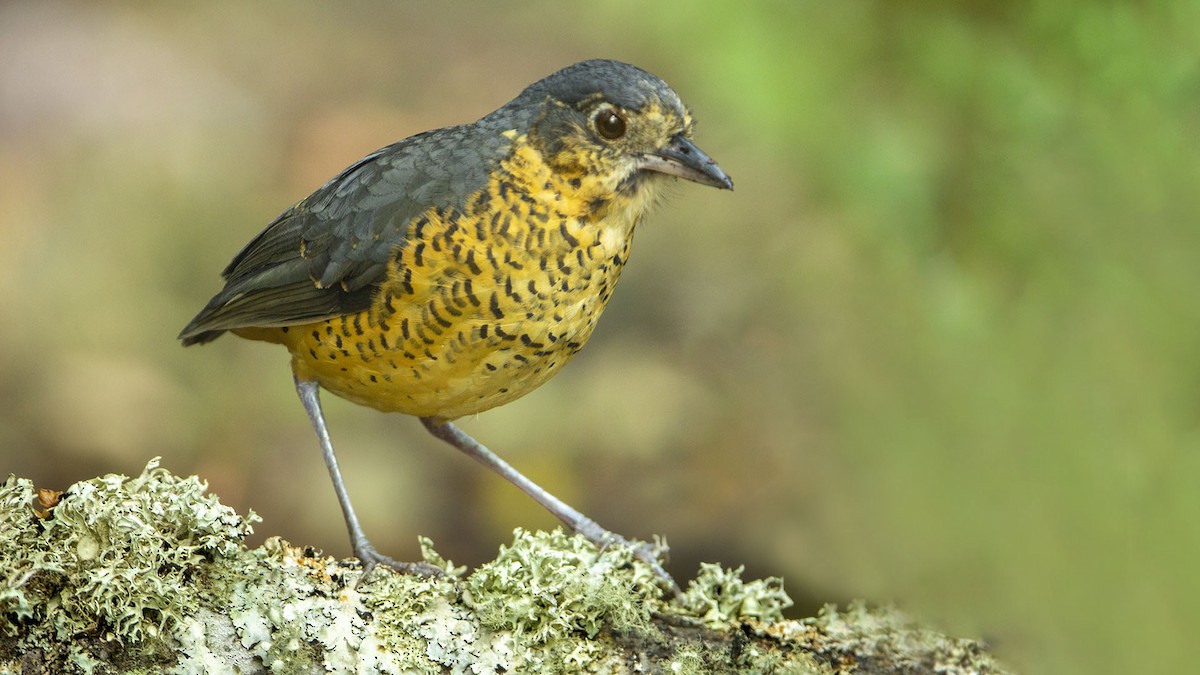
[653,555]
[371,559]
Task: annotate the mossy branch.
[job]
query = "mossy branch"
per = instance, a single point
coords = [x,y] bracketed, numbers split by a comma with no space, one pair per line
[150,574]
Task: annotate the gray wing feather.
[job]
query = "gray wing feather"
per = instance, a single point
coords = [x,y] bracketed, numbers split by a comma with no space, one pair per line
[325,256]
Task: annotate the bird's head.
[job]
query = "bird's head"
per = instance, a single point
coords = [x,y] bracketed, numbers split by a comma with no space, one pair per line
[616,126]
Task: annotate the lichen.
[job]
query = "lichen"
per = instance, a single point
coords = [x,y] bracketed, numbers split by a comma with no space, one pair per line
[547,585]
[150,574]
[536,608]
[112,560]
[153,566]
[688,660]
[893,642]
[549,593]
[718,596]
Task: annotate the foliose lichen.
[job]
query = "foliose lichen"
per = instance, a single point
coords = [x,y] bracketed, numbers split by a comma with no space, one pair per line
[111,561]
[894,643]
[150,575]
[718,596]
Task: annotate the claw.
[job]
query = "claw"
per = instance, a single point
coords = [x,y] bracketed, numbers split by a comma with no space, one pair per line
[650,554]
[370,559]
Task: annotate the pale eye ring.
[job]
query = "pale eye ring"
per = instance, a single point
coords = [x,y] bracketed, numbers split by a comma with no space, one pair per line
[610,123]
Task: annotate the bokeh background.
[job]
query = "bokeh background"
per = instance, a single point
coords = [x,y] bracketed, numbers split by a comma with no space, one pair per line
[940,347]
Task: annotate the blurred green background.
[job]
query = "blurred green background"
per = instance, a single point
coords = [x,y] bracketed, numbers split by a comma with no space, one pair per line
[940,347]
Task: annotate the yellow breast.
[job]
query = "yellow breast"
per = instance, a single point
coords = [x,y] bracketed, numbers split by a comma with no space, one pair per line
[481,306]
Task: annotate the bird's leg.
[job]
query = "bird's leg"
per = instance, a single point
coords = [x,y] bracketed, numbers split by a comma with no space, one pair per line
[310,396]
[573,519]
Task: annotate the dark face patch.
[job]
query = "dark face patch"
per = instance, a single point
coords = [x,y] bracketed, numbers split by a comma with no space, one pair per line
[597,117]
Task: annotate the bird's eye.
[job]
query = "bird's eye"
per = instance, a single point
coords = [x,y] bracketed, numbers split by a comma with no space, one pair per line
[610,124]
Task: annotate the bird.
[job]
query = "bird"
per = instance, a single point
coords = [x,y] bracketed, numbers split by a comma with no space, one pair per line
[459,269]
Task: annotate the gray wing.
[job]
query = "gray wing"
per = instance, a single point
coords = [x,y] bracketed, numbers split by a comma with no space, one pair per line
[326,255]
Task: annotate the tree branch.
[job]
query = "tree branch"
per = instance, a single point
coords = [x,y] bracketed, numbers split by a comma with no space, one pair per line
[149,574]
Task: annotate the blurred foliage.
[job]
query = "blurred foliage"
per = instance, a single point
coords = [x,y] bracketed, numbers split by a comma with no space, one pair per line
[939,347]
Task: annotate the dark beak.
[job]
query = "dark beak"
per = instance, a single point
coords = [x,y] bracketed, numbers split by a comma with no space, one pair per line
[682,158]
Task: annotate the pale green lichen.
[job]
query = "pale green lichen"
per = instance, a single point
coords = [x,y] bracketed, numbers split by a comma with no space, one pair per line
[533,609]
[113,560]
[544,597]
[718,596]
[688,660]
[550,584]
[395,601]
[292,612]
[891,640]
[295,612]
[149,575]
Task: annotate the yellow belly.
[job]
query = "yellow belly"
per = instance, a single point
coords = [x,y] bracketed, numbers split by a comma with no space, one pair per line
[483,306]
[471,318]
